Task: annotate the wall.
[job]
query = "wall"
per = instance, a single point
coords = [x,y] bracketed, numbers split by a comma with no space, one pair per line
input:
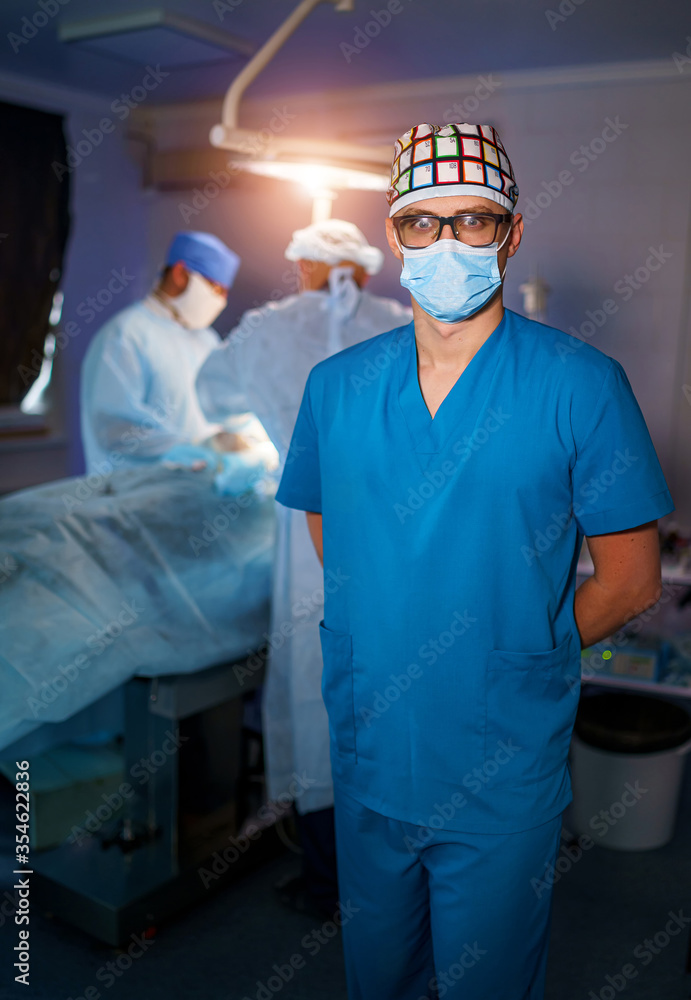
[108,233]
[625,196]
[109,245]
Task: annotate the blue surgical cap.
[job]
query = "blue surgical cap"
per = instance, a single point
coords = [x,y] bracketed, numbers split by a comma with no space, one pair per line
[206,254]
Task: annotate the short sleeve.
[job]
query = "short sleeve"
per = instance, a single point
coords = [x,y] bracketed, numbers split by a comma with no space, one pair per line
[617,480]
[300,486]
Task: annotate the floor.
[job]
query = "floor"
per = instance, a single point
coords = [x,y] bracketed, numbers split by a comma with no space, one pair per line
[235,946]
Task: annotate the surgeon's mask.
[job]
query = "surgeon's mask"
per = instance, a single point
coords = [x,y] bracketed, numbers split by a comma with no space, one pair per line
[451,280]
[344,298]
[200,304]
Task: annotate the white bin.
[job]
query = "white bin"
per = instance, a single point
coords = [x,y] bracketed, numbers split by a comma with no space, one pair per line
[623,797]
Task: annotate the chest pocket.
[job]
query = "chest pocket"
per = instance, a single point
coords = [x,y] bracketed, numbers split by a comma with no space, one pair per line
[531,707]
[337,688]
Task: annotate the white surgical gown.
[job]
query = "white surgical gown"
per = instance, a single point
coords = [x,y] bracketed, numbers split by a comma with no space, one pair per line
[137,389]
[263,367]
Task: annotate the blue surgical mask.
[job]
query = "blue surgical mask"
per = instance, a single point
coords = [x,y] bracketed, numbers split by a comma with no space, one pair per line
[451,280]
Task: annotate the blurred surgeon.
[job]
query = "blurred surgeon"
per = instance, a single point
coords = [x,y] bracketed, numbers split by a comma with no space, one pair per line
[263,367]
[138,398]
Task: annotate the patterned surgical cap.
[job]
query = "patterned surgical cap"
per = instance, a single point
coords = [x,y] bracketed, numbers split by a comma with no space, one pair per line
[435,161]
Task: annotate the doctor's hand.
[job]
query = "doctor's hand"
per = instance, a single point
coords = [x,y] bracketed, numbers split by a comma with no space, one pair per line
[225,441]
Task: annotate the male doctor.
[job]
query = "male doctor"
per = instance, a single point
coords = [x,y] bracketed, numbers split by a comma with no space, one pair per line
[137,389]
[263,367]
[452,649]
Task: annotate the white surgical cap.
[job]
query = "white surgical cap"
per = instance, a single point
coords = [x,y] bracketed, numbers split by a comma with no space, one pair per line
[334,241]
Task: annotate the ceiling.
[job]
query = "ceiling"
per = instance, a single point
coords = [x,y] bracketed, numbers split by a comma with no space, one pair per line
[424,39]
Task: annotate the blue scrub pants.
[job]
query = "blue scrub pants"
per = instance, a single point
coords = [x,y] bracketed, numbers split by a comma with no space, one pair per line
[434,913]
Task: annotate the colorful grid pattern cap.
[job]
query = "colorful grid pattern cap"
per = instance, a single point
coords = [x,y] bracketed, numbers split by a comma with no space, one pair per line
[435,161]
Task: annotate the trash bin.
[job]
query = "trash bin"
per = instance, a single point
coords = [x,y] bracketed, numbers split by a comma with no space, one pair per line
[627,763]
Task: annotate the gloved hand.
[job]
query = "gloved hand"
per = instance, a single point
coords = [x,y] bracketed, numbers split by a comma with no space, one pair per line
[190,456]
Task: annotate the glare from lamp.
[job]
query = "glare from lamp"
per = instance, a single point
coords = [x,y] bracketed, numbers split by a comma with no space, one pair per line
[322,204]
[314,179]
[317,176]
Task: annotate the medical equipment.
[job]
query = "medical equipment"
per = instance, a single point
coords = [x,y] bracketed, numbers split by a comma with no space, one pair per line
[108,576]
[153,580]
[321,165]
[128,869]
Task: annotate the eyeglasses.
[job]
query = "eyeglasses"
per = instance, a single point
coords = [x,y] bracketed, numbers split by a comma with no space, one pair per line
[474,229]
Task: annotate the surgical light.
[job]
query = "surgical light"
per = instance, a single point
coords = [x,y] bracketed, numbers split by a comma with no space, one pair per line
[321,166]
[317,176]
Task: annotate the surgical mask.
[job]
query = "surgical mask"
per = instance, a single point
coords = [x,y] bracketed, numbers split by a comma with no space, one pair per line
[451,280]
[344,297]
[199,305]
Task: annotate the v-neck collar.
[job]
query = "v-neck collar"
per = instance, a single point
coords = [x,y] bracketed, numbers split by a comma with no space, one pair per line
[462,403]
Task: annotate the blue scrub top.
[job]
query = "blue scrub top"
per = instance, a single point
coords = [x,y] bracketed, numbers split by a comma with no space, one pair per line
[451,653]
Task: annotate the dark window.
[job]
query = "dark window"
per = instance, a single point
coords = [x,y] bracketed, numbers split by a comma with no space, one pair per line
[34,225]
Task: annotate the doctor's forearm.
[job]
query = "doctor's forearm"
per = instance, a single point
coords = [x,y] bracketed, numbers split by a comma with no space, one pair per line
[600,612]
[314,525]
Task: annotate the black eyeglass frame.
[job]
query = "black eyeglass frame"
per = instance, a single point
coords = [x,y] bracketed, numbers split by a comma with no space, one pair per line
[449,220]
